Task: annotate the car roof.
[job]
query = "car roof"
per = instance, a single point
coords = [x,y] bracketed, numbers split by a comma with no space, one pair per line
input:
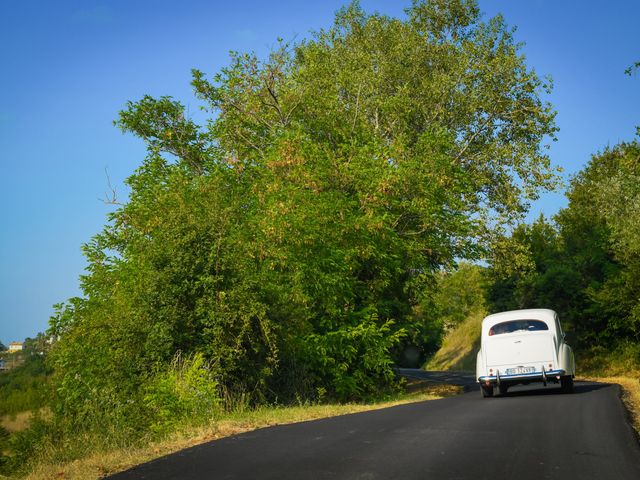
[545,314]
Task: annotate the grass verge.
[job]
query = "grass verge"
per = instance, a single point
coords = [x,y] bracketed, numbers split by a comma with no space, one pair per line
[105,462]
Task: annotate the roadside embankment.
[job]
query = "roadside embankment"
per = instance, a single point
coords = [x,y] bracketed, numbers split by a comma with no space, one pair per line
[104,462]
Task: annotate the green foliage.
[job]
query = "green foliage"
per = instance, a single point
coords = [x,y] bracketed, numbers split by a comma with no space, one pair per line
[355,359]
[187,392]
[526,273]
[26,445]
[623,359]
[460,345]
[632,69]
[586,265]
[605,203]
[4,440]
[455,295]
[460,294]
[291,243]
[25,387]
[456,309]
[39,345]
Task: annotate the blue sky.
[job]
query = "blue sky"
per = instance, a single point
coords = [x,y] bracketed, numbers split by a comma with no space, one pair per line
[68,67]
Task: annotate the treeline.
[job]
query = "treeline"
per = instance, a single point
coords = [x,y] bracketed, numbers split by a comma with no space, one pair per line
[24,387]
[287,248]
[291,239]
[585,263]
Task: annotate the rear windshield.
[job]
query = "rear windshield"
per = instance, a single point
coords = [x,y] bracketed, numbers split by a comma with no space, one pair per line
[518,325]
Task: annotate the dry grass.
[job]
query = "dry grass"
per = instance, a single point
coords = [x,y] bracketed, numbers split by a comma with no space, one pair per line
[104,463]
[21,421]
[17,422]
[460,345]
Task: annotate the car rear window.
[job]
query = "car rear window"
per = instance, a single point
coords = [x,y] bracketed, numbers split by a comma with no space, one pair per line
[518,325]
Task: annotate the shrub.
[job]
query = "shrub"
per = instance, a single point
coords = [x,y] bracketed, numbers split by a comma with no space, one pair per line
[187,391]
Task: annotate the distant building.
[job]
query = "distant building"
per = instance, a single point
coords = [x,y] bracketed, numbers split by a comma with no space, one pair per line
[15,347]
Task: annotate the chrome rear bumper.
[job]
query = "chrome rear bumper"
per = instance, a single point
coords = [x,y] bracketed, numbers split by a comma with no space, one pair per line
[541,376]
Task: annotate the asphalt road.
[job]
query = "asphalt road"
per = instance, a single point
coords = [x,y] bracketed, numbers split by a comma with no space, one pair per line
[531,433]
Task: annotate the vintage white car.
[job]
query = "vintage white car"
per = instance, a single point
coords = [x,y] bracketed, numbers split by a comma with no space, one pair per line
[521,347]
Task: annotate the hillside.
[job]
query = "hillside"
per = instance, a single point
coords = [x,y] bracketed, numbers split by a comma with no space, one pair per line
[460,346]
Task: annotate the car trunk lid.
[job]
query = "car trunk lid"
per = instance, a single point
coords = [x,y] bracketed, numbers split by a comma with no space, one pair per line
[527,348]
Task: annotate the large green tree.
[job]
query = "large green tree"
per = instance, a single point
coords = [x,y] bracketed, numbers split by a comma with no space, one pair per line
[290,237]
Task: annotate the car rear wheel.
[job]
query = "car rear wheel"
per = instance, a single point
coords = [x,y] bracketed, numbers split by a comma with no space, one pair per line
[503,389]
[486,391]
[566,384]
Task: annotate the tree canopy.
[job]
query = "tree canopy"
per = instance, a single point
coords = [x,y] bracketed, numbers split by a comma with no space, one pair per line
[291,238]
[585,265]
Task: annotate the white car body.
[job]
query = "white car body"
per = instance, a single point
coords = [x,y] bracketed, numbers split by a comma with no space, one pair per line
[521,347]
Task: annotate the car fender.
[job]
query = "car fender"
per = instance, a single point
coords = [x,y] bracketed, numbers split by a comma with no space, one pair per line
[480,367]
[567,362]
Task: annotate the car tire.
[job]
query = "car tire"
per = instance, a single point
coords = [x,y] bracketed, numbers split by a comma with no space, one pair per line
[566,384]
[486,391]
[503,389]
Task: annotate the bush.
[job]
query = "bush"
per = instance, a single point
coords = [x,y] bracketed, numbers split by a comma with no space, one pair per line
[356,359]
[186,392]
[599,360]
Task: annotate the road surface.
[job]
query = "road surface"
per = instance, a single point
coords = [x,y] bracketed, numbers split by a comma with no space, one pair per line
[531,433]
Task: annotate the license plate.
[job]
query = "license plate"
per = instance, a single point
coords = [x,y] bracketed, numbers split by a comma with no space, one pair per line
[520,370]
